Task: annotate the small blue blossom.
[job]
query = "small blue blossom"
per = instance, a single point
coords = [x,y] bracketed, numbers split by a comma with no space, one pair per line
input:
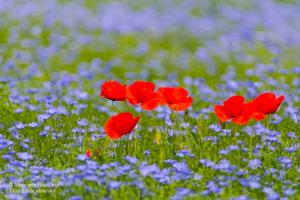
[251,182]
[147,152]
[207,163]
[20,125]
[43,117]
[254,164]
[285,162]
[181,193]
[82,157]
[33,124]
[82,123]
[148,170]
[114,185]
[182,153]
[224,165]
[75,198]
[289,192]
[212,187]
[213,139]
[271,194]
[292,135]
[215,127]
[131,160]
[242,197]
[169,161]
[25,156]
[293,148]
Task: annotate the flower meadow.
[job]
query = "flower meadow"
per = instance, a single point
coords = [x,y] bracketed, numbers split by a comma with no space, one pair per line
[191,99]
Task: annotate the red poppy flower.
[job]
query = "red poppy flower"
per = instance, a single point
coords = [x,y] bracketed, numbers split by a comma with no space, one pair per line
[236,109]
[88,152]
[120,124]
[113,90]
[267,103]
[176,97]
[142,92]
[250,111]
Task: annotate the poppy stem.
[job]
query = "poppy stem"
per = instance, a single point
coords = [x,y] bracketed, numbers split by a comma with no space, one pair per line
[268,121]
[235,132]
[114,149]
[177,120]
[221,124]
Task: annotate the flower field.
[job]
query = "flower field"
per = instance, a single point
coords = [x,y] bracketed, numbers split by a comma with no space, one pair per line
[194,99]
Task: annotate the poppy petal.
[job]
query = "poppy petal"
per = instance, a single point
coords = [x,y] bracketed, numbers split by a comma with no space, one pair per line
[152,104]
[175,97]
[266,96]
[173,94]
[140,92]
[131,98]
[258,116]
[221,113]
[182,105]
[251,111]
[241,120]
[110,131]
[267,102]
[276,104]
[247,115]
[120,124]
[88,152]
[235,105]
[113,90]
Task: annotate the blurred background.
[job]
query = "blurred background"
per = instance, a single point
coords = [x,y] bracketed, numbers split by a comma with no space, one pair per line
[154,38]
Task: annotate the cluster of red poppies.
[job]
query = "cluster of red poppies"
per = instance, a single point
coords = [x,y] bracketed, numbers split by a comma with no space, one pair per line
[240,112]
[143,94]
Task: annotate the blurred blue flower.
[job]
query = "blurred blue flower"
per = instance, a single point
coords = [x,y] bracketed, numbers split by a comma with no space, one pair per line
[24,156]
[114,185]
[271,194]
[184,152]
[254,164]
[289,192]
[82,122]
[147,170]
[132,160]
[75,198]
[181,193]
[285,162]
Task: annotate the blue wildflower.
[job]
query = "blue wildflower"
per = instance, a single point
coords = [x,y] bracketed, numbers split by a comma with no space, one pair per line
[181,193]
[25,156]
[289,192]
[254,164]
[148,170]
[114,185]
[285,162]
[82,157]
[182,153]
[271,194]
[75,198]
[132,160]
[82,122]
